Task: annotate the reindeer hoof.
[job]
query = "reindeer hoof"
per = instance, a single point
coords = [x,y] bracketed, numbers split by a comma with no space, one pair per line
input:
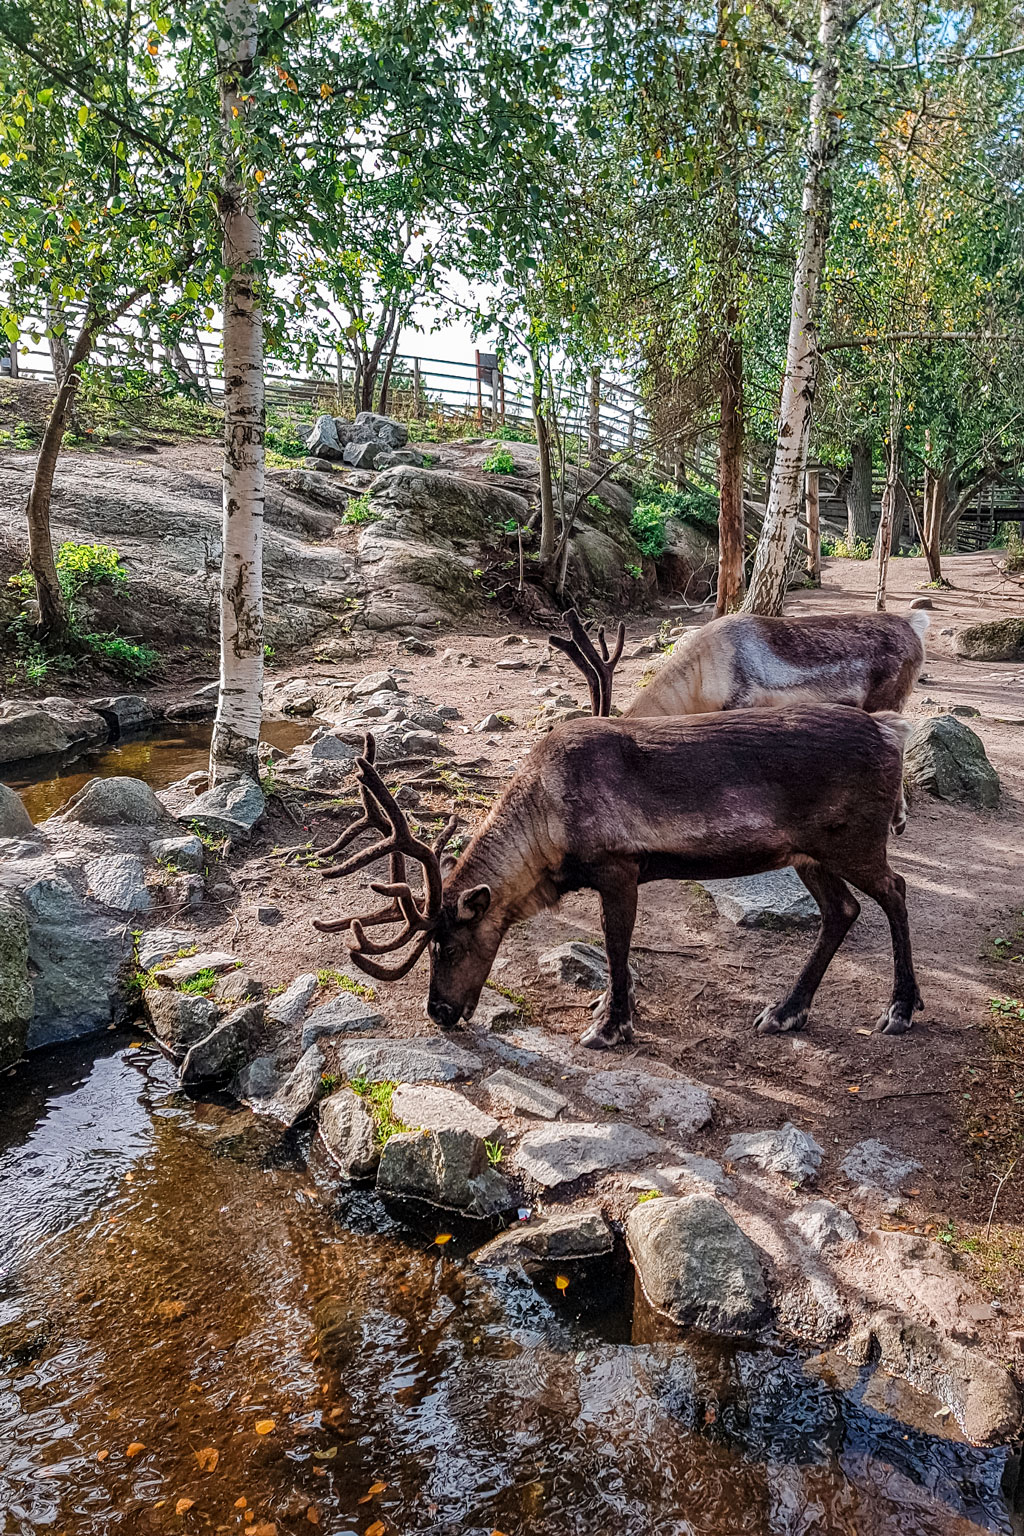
[896,1019]
[774,1021]
[605,1036]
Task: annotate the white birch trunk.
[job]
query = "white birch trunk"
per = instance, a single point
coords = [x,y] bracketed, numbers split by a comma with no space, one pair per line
[768,580]
[236,732]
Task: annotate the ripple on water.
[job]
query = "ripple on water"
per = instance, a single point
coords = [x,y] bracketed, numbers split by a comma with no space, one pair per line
[162,1297]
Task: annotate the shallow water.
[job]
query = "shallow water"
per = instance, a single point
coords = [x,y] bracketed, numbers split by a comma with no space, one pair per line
[159,760]
[156,1295]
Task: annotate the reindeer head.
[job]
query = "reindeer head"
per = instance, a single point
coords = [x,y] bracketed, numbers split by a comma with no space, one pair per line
[461,944]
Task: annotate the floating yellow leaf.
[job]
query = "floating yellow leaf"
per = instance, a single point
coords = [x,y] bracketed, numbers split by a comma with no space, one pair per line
[183,1505]
[208,1458]
[562,1282]
[442,1238]
[170,1311]
[374,1489]
[135,1447]
[265,1426]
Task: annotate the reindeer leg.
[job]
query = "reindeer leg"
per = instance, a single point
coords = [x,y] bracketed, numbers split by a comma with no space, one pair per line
[891,894]
[839,912]
[613,1017]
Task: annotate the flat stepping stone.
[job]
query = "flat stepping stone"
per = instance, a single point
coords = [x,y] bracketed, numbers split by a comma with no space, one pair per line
[778,899]
[191,965]
[559,1154]
[432,1060]
[423,1106]
[345,1014]
[522,1095]
[873,1164]
[689,1174]
[161,944]
[557,1237]
[652,1100]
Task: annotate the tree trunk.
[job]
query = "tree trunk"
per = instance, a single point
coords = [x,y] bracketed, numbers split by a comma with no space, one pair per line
[858,492]
[813,504]
[594,418]
[53,612]
[385,383]
[730,478]
[547,495]
[886,525]
[236,731]
[771,563]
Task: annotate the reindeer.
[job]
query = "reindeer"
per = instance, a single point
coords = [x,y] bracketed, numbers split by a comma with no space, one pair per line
[608,805]
[745,661]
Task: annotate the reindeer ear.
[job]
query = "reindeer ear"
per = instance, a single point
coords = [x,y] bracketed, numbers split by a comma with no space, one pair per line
[473,904]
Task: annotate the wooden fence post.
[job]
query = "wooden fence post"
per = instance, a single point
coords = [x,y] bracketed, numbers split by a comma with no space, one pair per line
[479,391]
[594,416]
[417,389]
[813,528]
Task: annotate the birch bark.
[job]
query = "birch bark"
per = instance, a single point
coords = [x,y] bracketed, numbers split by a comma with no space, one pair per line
[236,731]
[767,590]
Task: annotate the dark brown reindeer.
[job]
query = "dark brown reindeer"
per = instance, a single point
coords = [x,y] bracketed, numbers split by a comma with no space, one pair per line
[608,805]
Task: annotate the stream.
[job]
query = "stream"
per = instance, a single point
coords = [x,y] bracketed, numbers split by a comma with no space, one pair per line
[189,1342]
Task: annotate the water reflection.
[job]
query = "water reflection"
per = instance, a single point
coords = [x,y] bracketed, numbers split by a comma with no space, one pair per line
[159,760]
[158,1296]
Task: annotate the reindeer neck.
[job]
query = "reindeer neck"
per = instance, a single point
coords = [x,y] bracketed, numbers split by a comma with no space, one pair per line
[509,856]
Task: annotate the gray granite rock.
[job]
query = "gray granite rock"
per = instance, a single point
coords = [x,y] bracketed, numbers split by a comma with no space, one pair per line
[160,944]
[524,1096]
[118,881]
[15,987]
[873,1164]
[179,1019]
[124,712]
[224,1052]
[230,810]
[778,899]
[449,1168]
[14,819]
[300,1090]
[947,759]
[493,1011]
[696,1266]
[823,1224]
[76,956]
[687,1174]
[373,682]
[323,441]
[328,748]
[290,1007]
[997,640]
[424,1106]
[577,965]
[432,1060]
[362,455]
[190,965]
[27,730]
[789,1151]
[117,802]
[79,723]
[558,1154]
[658,1101]
[346,1130]
[185,853]
[345,1014]
[557,1237]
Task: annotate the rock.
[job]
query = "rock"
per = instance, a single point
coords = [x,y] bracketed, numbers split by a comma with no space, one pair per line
[522,1095]
[27,730]
[947,759]
[300,1090]
[268,914]
[258,1079]
[417,646]
[185,853]
[918,603]
[328,748]
[577,965]
[362,455]
[423,1106]
[81,725]
[774,900]
[230,810]
[75,958]
[491,723]
[687,563]
[179,1019]
[964,711]
[246,1139]
[225,1051]
[374,682]
[420,744]
[559,1154]
[343,1015]
[290,1007]
[15,987]
[124,712]
[1001,640]
[513,664]
[191,709]
[237,986]
[695,1265]
[401,456]
[14,819]
[190,965]
[160,944]
[323,442]
[558,1237]
[494,1011]
[652,1100]
[118,881]
[346,1130]
[689,1169]
[788,1151]
[980,1393]
[434,1060]
[448,1168]
[393,434]
[823,1224]
[117,802]
[873,1164]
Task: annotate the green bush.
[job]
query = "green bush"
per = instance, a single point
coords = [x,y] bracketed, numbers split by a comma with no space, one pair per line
[283,437]
[647,526]
[500,462]
[840,549]
[130,655]
[79,566]
[687,504]
[360,510]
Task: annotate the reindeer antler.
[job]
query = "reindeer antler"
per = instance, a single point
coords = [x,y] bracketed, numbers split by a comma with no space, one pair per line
[597,669]
[381,811]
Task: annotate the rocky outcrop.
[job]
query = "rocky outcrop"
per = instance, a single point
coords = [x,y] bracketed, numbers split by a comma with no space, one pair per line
[947,759]
[696,1266]
[28,730]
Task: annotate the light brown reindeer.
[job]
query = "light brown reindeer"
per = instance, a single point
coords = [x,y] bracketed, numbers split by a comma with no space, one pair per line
[607,805]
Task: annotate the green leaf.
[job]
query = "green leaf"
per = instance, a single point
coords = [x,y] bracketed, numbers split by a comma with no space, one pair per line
[83,115]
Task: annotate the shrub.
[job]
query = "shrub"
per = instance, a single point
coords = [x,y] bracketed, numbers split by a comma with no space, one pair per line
[841,549]
[130,655]
[689,504]
[500,462]
[359,511]
[647,526]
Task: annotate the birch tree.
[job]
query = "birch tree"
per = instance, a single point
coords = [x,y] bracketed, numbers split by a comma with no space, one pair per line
[767,589]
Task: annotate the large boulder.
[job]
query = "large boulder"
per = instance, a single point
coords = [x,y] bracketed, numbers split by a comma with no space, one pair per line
[117,802]
[689,562]
[76,956]
[999,640]
[125,712]
[369,426]
[14,819]
[15,988]
[79,723]
[449,1168]
[695,1265]
[27,730]
[347,1132]
[947,759]
[323,442]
